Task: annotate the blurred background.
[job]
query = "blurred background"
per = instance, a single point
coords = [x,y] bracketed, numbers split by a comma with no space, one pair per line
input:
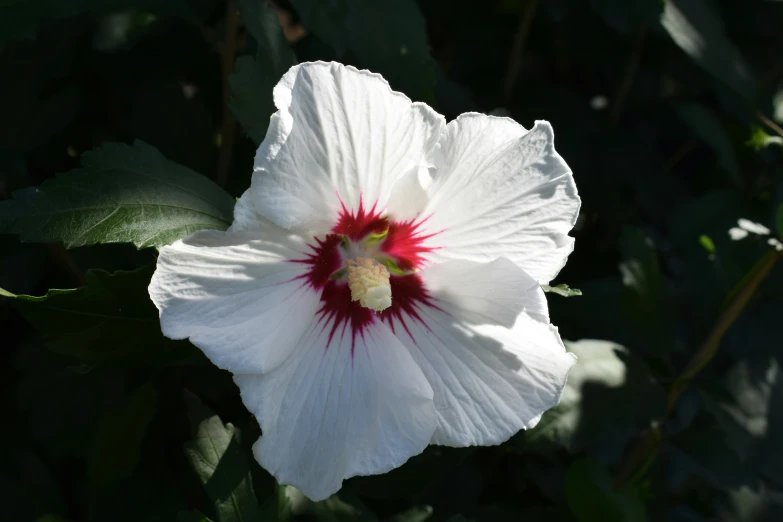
[668,112]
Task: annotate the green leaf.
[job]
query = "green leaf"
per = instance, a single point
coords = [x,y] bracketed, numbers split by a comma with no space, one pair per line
[645,300]
[111,319]
[262,22]
[605,373]
[277,508]
[414,514]
[123,194]
[254,78]
[760,139]
[697,28]
[592,497]
[116,448]
[341,507]
[562,289]
[635,309]
[385,37]
[220,464]
[707,243]
[251,97]
[746,504]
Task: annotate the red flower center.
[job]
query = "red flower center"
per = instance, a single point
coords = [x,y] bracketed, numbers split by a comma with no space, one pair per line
[398,241]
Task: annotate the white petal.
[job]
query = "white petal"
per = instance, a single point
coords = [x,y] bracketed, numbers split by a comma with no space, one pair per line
[489,380]
[409,195]
[499,190]
[753,227]
[327,415]
[340,136]
[237,297]
[494,293]
[737,233]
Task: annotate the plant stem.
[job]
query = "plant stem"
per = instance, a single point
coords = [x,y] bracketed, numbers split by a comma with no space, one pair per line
[229,124]
[647,446]
[769,123]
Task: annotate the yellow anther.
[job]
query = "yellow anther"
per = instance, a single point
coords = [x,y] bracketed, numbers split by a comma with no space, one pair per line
[369,284]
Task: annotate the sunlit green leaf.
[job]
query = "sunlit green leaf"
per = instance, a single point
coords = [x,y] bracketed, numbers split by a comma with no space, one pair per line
[116,447]
[707,243]
[562,289]
[760,139]
[220,464]
[123,194]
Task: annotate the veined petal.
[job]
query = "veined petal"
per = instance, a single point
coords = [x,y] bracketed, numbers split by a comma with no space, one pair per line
[334,410]
[494,366]
[236,295]
[487,293]
[340,136]
[500,190]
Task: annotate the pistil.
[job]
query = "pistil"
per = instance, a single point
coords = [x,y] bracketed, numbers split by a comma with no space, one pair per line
[369,283]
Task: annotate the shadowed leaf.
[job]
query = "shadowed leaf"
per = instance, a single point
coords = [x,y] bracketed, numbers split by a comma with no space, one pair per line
[116,448]
[220,464]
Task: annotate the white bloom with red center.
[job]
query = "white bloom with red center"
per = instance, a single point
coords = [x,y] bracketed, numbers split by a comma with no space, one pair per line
[379,289]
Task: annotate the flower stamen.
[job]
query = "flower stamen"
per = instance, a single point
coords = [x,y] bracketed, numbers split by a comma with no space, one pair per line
[369,283]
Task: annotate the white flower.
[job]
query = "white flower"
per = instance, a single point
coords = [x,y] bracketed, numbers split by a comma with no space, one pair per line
[747,226]
[753,227]
[379,289]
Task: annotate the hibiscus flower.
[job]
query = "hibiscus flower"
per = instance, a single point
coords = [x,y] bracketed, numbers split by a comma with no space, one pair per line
[379,289]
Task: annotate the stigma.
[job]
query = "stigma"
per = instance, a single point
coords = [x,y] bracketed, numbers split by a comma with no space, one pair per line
[369,283]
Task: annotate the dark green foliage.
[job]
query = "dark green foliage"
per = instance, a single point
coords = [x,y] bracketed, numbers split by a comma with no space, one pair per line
[592,496]
[122,195]
[668,113]
[254,77]
[116,448]
[110,306]
[386,37]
